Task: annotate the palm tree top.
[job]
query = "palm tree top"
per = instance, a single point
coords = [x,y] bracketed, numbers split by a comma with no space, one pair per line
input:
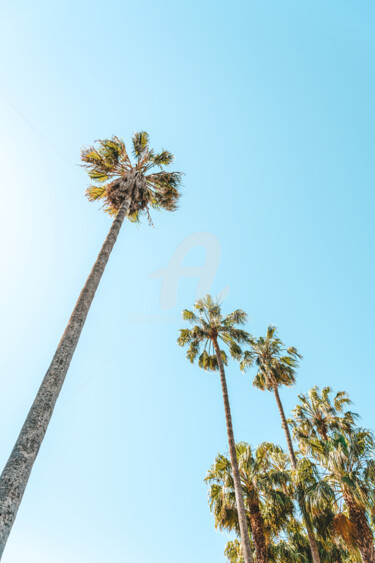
[209,327]
[117,179]
[276,364]
[265,478]
[317,414]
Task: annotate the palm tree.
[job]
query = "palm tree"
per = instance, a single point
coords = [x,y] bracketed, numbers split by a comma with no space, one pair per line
[277,366]
[125,189]
[210,327]
[266,491]
[334,530]
[349,471]
[345,456]
[317,414]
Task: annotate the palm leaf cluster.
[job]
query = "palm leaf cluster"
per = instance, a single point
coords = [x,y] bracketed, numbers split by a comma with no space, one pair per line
[209,325]
[116,179]
[276,365]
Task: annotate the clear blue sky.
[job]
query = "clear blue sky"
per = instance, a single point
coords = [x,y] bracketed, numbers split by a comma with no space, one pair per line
[269,108]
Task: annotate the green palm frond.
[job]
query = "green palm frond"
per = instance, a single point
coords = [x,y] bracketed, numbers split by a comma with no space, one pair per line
[193,351]
[247,360]
[238,317]
[185,336]
[189,316]
[235,350]
[164,158]
[140,143]
[95,192]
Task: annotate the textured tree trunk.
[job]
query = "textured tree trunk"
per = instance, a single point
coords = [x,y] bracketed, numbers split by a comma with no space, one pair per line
[17,471]
[244,531]
[301,501]
[257,530]
[363,534]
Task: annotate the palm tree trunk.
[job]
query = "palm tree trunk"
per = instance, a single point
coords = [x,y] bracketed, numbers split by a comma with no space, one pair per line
[301,501]
[16,473]
[363,534]
[257,530]
[244,531]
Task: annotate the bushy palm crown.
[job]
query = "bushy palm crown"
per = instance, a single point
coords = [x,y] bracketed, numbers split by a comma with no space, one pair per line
[118,180]
[318,414]
[276,364]
[210,326]
[265,479]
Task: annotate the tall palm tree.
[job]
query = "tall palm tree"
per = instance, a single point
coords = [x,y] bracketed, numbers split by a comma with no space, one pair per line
[126,189]
[210,327]
[276,366]
[266,488]
[344,456]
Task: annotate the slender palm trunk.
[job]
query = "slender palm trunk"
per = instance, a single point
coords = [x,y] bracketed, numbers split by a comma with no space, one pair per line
[244,531]
[257,530]
[301,501]
[17,471]
[363,534]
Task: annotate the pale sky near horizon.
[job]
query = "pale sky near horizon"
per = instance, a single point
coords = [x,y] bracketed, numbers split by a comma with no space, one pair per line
[269,108]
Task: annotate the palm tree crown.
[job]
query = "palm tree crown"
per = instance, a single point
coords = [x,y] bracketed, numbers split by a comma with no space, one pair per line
[276,364]
[210,326]
[118,180]
[265,478]
[317,414]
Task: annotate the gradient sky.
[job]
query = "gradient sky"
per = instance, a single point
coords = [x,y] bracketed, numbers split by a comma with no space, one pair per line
[269,108]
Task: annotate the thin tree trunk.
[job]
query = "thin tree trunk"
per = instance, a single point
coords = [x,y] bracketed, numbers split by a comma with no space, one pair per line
[257,530]
[301,501]
[244,531]
[17,471]
[363,534]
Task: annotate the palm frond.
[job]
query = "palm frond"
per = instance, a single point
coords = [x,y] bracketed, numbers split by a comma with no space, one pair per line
[164,158]
[140,142]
